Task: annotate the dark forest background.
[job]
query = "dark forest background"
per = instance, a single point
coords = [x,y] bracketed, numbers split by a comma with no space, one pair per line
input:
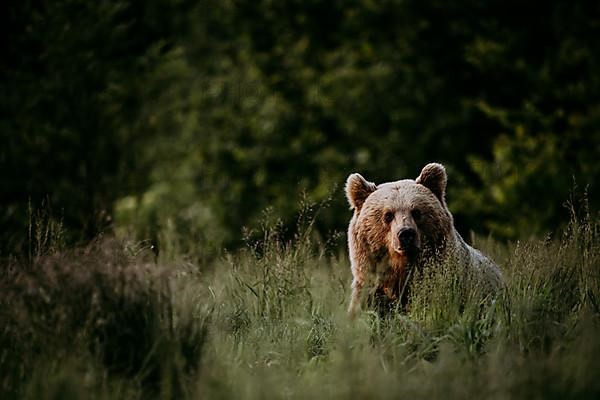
[197,116]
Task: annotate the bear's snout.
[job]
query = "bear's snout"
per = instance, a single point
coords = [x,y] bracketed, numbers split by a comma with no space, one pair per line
[407,237]
[406,241]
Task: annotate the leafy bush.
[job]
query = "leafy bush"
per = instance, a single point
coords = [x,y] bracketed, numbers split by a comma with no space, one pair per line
[98,308]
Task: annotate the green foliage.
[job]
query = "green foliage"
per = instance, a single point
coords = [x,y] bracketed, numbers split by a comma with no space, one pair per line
[199,115]
[72,75]
[525,167]
[265,103]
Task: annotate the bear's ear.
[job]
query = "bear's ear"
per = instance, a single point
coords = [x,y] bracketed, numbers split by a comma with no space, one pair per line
[433,176]
[357,190]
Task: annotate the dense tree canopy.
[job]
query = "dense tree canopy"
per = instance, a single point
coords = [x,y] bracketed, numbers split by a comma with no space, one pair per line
[197,116]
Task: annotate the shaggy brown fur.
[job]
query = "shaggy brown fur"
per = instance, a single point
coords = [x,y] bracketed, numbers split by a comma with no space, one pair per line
[400,225]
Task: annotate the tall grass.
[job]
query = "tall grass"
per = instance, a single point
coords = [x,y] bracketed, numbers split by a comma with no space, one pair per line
[111,321]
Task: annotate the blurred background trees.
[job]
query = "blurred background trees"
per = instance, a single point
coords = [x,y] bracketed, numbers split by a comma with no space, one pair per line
[193,117]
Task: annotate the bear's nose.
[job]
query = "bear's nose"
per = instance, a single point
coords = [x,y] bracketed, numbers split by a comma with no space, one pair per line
[407,237]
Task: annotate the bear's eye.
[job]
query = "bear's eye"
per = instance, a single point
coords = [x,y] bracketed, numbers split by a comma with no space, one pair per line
[388,217]
[416,214]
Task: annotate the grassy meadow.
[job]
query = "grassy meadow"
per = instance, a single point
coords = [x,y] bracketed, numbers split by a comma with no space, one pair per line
[111,320]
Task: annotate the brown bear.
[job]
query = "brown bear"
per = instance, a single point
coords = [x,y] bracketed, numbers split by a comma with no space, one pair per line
[400,225]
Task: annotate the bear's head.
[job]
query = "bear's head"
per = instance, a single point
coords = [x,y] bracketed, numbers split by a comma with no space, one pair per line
[404,221]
